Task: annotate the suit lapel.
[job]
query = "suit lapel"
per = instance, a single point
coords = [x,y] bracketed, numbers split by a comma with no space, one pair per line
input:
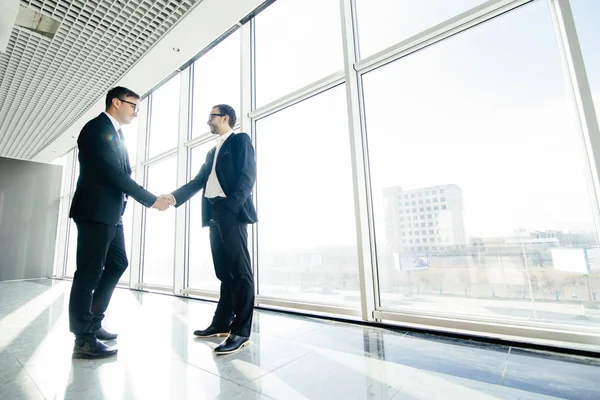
[225,147]
[211,158]
[118,143]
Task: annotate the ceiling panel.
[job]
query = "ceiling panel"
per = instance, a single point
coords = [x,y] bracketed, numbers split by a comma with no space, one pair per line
[46,84]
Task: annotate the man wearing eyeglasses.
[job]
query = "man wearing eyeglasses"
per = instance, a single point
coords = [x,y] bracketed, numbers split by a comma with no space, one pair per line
[103,187]
[227,178]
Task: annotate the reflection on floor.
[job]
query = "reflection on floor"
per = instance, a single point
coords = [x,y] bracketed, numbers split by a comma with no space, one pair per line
[290,357]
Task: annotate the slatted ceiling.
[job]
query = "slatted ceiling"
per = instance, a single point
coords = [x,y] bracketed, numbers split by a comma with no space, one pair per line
[47,84]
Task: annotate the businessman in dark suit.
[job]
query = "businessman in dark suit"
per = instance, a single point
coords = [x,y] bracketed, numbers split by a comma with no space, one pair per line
[103,187]
[227,178]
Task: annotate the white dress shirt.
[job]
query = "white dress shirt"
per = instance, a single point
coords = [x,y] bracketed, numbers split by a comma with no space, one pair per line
[114,122]
[213,187]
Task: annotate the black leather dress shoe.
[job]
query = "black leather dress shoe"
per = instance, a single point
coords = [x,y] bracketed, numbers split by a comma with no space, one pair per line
[232,344]
[211,331]
[97,350]
[103,334]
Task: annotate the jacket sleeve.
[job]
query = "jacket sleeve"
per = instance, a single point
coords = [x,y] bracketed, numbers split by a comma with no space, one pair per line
[187,191]
[102,155]
[246,169]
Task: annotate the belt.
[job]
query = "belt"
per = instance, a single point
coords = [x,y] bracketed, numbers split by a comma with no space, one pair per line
[213,200]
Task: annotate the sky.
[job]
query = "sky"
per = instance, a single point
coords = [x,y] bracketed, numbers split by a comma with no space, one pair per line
[487,110]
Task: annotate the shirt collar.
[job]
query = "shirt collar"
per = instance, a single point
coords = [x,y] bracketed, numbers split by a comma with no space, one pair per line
[114,121]
[223,138]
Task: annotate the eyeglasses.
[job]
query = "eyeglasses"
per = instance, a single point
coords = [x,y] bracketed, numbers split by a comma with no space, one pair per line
[210,116]
[136,106]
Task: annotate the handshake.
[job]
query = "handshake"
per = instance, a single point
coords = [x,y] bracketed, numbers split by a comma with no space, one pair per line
[164,201]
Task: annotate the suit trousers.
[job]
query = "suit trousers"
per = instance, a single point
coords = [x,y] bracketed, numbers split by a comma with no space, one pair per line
[101,261]
[231,259]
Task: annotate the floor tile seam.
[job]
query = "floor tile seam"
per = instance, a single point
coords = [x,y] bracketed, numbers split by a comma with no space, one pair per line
[309,331]
[126,367]
[16,358]
[252,390]
[295,338]
[29,376]
[205,370]
[21,368]
[273,370]
[410,378]
[229,380]
[505,366]
[294,341]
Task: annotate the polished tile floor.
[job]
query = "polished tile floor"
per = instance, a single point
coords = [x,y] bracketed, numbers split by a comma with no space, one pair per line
[290,357]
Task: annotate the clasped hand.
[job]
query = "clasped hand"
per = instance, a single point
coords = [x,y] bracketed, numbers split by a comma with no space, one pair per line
[163,202]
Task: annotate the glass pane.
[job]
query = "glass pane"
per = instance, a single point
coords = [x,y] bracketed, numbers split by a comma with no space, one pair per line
[159,234]
[306,229]
[71,247]
[216,81]
[479,192]
[291,53]
[383,23]
[62,161]
[586,14]
[131,138]
[164,117]
[76,173]
[128,231]
[201,269]
[57,269]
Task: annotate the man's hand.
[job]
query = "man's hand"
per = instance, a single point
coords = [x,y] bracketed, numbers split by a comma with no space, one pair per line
[162,203]
[169,198]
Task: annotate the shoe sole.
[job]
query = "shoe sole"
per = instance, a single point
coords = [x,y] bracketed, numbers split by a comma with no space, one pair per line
[90,357]
[232,351]
[105,340]
[213,335]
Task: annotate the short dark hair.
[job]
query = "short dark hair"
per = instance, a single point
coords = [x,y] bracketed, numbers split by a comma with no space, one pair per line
[118,92]
[229,111]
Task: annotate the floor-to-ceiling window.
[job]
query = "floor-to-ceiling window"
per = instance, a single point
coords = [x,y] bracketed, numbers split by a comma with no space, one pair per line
[216,80]
[200,265]
[585,16]
[158,245]
[131,133]
[478,200]
[384,23]
[292,53]
[478,182]
[66,161]
[306,229]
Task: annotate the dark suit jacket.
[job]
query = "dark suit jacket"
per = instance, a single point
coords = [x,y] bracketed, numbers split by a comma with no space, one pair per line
[236,172]
[104,175]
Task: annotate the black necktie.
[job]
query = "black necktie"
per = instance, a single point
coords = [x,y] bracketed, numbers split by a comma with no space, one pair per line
[125,159]
[124,155]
